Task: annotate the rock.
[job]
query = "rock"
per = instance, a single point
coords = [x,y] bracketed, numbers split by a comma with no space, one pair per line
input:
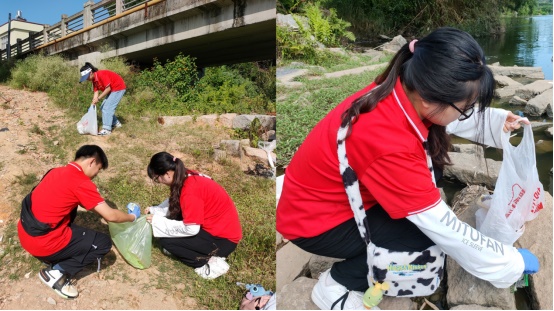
[291,263]
[27,275]
[530,72]
[170,120]
[537,237]
[219,154]
[517,101]
[464,288]
[540,104]
[298,295]
[394,45]
[502,81]
[531,90]
[244,121]
[51,301]
[319,264]
[232,147]
[258,154]
[226,119]
[209,119]
[468,149]
[506,91]
[548,132]
[470,169]
[287,21]
[473,307]
[395,303]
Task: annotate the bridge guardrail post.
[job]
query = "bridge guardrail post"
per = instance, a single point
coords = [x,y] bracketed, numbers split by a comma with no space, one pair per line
[63,25]
[118,6]
[32,36]
[19,50]
[88,19]
[45,33]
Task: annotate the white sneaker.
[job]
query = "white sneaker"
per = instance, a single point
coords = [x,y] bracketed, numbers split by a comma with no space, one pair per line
[216,267]
[104,132]
[335,296]
[116,125]
[58,281]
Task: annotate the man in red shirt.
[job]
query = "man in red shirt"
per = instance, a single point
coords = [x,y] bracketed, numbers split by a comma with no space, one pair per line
[52,206]
[112,87]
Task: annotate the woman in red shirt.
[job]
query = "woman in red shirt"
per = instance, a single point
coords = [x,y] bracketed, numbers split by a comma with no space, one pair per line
[391,140]
[112,87]
[199,223]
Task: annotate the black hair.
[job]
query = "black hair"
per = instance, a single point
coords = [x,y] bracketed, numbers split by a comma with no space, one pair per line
[161,163]
[89,65]
[447,66]
[92,151]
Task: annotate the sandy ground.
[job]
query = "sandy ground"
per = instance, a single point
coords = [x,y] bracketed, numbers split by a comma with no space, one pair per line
[117,285]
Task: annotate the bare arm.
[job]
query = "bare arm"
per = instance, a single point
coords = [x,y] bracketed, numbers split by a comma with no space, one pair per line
[112,214]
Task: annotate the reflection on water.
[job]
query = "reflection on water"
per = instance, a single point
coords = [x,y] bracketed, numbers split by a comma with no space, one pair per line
[526,42]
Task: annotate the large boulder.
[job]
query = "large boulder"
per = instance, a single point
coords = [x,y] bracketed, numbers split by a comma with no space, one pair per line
[531,90]
[472,169]
[540,104]
[394,45]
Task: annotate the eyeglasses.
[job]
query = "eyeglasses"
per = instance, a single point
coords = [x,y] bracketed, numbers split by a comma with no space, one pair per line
[156,179]
[465,114]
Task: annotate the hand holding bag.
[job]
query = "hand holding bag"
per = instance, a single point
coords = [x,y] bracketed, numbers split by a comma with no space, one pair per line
[88,123]
[518,196]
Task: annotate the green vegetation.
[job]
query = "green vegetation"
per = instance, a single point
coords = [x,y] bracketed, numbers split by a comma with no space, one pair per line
[152,93]
[173,88]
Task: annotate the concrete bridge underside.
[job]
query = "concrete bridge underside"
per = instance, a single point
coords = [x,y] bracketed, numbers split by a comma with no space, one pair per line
[215,32]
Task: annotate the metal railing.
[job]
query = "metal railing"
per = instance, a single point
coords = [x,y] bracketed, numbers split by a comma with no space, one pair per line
[92,14]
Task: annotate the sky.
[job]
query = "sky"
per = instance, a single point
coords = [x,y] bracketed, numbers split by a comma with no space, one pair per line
[40,11]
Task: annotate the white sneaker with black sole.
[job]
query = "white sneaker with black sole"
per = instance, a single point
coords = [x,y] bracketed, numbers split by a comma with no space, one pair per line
[116,125]
[216,267]
[330,295]
[60,282]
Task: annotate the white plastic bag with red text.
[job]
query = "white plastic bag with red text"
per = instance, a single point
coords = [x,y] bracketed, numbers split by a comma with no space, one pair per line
[88,123]
[518,196]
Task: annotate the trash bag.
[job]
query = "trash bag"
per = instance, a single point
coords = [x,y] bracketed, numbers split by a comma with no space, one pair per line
[88,123]
[518,196]
[134,241]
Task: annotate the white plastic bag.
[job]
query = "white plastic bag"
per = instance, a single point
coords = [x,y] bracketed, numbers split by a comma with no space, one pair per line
[518,195]
[88,123]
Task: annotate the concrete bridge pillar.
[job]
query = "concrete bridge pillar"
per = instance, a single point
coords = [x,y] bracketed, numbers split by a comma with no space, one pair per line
[63,25]
[45,34]
[118,6]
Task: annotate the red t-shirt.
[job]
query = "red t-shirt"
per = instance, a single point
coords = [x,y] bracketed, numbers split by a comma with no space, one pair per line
[61,191]
[385,150]
[206,203]
[104,78]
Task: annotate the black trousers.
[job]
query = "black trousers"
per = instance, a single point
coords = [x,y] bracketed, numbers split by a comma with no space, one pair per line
[85,247]
[344,241]
[195,251]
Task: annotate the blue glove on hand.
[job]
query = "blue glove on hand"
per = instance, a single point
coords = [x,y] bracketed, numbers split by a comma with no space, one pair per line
[530,260]
[133,208]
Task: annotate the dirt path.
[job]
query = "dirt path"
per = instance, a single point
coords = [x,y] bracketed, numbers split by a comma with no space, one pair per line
[117,285]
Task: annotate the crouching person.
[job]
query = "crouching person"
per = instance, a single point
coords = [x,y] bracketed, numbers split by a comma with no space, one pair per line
[199,224]
[46,229]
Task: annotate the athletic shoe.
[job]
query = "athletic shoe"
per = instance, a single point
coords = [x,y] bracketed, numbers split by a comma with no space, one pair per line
[59,281]
[216,267]
[117,125]
[104,132]
[166,252]
[335,296]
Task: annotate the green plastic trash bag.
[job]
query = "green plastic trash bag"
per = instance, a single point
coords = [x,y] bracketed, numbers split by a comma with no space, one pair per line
[134,241]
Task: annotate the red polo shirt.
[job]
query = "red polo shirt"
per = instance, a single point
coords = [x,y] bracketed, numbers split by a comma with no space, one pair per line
[104,78]
[61,191]
[204,202]
[385,150]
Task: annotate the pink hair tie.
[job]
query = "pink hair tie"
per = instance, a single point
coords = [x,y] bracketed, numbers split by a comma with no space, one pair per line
[174,158]
[412,46]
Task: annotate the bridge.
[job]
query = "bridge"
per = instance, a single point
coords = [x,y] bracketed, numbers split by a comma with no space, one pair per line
[215,32]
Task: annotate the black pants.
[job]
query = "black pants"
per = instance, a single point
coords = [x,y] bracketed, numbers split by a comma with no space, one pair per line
[195,251]
[85,247]
[344,241]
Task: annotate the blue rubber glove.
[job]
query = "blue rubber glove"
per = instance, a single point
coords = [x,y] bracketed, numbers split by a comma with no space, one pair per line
[133,208]
[530,260]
